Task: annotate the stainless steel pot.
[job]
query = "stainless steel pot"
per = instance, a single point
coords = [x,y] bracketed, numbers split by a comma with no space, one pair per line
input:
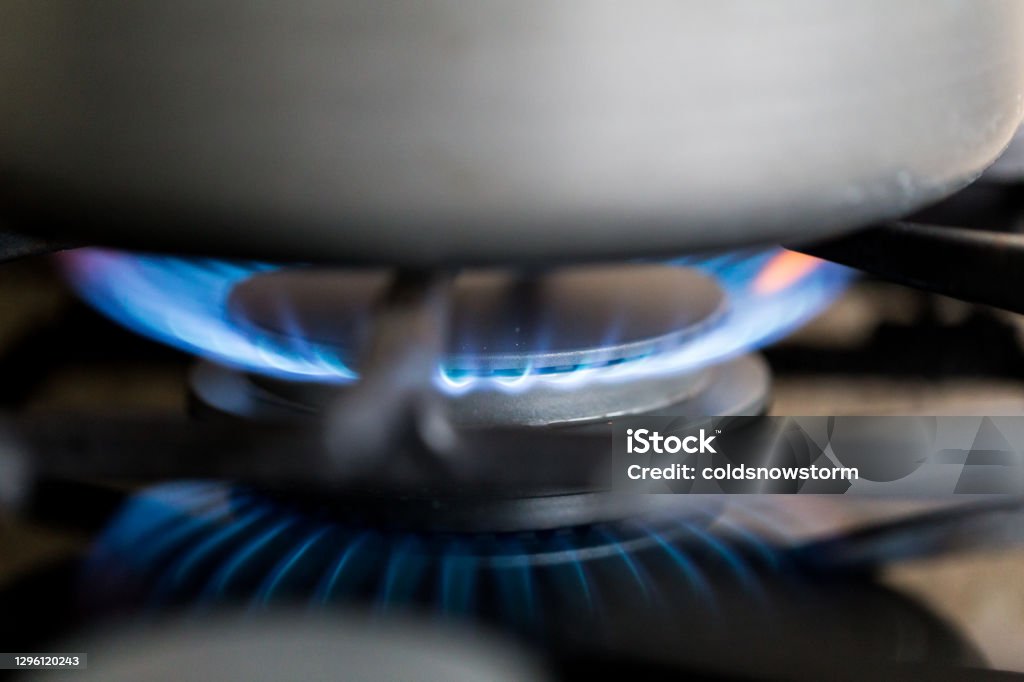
[1009,168]
[441,131]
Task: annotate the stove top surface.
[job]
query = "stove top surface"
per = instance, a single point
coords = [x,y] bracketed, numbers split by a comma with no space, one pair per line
[874,352]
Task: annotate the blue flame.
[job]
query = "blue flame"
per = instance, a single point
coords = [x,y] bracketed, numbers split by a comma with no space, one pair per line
[281,572]
[183,302]
[458,580]
[688,568]
[631,564]
[240,546]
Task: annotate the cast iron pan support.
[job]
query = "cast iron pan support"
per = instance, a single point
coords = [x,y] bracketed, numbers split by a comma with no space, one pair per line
[394,405]
[980,266]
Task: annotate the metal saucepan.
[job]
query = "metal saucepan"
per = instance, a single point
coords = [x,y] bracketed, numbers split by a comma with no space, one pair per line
[497,131]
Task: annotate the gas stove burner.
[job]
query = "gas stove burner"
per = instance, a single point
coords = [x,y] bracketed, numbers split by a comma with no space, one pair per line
[185,302]
[682,589]
[204,543]
[502,323]
[507,326]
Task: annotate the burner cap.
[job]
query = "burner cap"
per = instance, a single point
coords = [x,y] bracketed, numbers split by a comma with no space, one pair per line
[738,387]
[502,322]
